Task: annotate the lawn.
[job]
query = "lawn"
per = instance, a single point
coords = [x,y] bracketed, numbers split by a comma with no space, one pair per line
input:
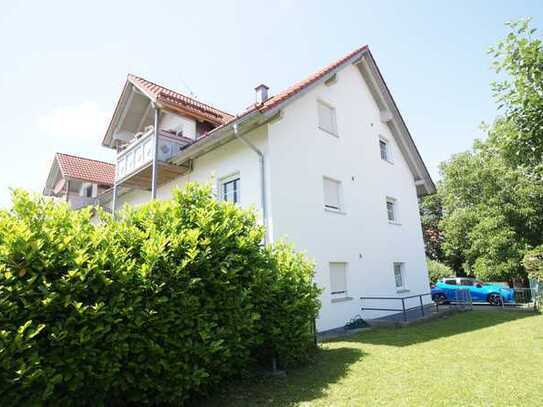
[471,359]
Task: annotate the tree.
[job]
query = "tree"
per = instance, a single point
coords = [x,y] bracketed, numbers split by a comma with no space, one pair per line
[494,213]
[519,133]
[437,270]
[431,213]
[492,195]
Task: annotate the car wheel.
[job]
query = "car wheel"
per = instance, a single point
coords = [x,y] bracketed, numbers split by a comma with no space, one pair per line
[495,299]
[440,299]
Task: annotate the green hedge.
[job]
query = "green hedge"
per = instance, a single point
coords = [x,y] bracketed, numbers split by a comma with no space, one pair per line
[165,302]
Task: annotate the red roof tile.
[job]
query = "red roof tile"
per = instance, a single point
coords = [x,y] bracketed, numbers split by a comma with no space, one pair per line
[178,100]
[86,169]
[299,86]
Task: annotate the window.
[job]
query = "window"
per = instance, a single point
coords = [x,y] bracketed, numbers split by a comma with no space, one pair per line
[466,282]
[332,194]
[384,148]
[338,279]
[450,282]
[327,118]
[230,189]
[88,191]
[399,275]
[392,210]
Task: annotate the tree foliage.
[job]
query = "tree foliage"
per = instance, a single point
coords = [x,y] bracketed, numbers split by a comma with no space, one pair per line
[164,302]
[431,213]
[519,133]
[492,196]
[533,261]
[437,270]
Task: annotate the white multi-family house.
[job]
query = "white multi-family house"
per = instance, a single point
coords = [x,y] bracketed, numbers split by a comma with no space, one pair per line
[329,164]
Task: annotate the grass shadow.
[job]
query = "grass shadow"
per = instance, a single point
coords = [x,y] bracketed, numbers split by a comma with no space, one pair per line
[445,326]
[302,384]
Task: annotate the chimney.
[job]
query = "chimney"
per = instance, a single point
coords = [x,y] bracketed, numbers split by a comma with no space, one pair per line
[261,94]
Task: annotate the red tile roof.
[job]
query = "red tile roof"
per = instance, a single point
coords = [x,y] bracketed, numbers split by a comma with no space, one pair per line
[86,169]
[299,86]
[177,100]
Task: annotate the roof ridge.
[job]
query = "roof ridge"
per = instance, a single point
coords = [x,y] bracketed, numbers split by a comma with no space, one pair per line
[179,93]
[85,158]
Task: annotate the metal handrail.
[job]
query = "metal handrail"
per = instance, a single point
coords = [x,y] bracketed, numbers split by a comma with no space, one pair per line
[404,310]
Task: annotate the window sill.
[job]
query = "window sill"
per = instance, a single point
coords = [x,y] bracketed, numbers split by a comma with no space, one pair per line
[402,290]
[394,223]
[342,299]
[339,212]
[388,161]
[329,132]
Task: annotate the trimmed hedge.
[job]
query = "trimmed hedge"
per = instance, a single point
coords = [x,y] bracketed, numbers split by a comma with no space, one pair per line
[163,303]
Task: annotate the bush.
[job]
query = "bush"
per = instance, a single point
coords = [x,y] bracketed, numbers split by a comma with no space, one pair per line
[288,304]
[437,270]
[533,262]
[165,302]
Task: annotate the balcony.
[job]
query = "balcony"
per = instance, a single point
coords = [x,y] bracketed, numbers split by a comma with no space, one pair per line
[78,202]
[134,162]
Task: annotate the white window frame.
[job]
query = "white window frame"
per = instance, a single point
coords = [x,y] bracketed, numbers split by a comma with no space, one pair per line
[330,208]
[388,150]
[85,187]
[403,286]
[327,105]
[341,294]
[395,210]
[228,179]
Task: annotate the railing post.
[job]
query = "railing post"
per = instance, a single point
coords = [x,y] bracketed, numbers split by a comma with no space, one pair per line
[114,199]
[421,305]
[403,308]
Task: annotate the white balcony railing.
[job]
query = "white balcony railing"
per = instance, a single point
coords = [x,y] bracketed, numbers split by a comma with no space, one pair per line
[78,202]
[139,153]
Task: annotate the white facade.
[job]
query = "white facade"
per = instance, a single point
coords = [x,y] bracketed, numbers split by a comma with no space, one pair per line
[298,157]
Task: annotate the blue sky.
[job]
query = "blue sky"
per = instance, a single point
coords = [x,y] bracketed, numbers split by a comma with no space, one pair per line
[64,63]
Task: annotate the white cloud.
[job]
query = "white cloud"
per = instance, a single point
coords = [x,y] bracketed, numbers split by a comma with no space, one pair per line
[83,122]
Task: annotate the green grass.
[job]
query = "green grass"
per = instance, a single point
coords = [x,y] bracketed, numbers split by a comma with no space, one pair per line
[470,359]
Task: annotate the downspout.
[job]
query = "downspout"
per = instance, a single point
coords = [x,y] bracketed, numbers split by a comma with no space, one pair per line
[68,191]
[262,179]
[154,177]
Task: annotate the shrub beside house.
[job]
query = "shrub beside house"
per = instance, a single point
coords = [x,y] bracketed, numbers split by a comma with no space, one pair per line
[165,302]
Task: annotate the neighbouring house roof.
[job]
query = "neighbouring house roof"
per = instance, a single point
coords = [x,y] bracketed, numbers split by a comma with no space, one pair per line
[177,100]
[85,169]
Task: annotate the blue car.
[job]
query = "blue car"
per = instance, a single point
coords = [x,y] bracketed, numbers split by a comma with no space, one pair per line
[480,292]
